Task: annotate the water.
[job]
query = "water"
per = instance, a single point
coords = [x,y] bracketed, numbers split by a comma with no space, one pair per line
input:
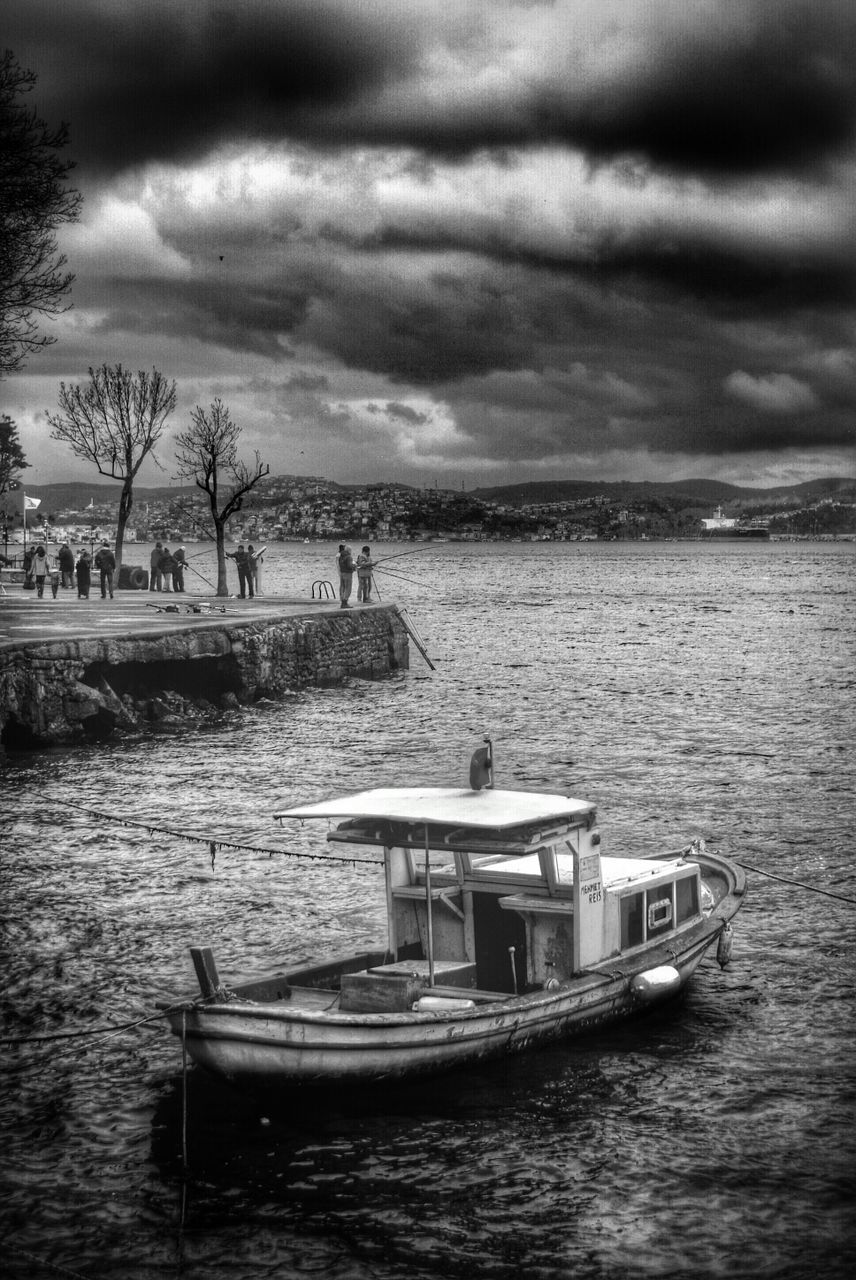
[688,690]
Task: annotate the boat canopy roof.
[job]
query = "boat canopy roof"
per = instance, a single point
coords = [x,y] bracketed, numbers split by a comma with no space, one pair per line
[487,809]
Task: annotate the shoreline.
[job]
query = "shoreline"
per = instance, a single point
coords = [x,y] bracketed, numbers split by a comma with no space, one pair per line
[76,671]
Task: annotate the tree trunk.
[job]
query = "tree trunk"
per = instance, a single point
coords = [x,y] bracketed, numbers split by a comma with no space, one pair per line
[126,502]
[222,582]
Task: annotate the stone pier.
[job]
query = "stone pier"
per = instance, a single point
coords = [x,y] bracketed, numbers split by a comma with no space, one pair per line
[76,670]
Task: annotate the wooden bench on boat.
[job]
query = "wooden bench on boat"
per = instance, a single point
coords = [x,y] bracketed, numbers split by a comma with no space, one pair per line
[395,988]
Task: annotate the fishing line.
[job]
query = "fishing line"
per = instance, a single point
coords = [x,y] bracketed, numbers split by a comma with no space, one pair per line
[419,582]
[413,552]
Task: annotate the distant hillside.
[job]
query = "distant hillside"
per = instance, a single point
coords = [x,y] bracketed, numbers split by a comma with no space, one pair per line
[77,494]
[707,492]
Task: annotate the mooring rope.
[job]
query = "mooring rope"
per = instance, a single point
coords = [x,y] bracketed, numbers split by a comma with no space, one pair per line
[214,843]
[90,1031]
[799,884]
[43,1262]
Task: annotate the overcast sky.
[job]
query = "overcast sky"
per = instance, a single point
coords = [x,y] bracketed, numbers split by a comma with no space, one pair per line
[463,241]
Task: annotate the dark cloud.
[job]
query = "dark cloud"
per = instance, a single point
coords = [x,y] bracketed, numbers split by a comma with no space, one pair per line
[773,91]
[526,359]
[307,382]
[767,87]
[688,261]
[690,290]
[160,81]
[251,320]
[420,330]
[407,414]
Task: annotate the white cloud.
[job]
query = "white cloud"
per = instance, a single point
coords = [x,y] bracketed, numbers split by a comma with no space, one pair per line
[776,393]
[119,237]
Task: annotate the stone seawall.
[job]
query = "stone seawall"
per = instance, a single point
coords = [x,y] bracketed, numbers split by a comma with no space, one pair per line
[73,689]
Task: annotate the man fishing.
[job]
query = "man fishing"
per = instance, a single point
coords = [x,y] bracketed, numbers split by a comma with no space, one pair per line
[345,562]
[365,564]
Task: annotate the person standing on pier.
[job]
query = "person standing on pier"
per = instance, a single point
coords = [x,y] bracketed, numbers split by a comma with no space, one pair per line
[365,564]
[178,572]
[242,564]
[105,563]
[156,577]
[345,561]
[84,574]
[255,560]
[41,569]
[167,568]
[66,565]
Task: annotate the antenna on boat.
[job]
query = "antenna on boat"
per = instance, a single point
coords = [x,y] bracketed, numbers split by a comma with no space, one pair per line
[481,767]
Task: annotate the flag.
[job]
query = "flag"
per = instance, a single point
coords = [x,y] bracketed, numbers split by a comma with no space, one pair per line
[30,504]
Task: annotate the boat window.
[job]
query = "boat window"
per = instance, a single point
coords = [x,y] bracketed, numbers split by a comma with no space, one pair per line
[686,898]
[659,905]
[632,920]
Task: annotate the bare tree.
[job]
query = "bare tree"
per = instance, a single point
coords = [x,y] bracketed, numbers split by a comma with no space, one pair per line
[34,200]
[207,454]
[114,421]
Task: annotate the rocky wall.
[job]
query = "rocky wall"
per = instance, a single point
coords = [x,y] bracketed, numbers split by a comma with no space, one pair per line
[71,690]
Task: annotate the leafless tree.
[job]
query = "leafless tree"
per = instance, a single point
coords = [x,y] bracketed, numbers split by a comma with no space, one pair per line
[34,200]
[207,454]
[114,421]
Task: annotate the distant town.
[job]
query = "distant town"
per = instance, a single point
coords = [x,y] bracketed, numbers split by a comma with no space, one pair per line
[288,508]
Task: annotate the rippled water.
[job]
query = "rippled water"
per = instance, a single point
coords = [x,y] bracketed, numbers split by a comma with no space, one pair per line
[687,689]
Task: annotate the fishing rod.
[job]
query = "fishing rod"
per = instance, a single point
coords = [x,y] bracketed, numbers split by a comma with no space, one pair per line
[413,552]
[200,575]
[195,520]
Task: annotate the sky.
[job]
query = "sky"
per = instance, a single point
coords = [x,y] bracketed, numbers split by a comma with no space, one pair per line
[462,242]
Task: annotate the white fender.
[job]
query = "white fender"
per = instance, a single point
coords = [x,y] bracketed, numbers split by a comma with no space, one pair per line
[441,1004]
[653,984]
[723,947]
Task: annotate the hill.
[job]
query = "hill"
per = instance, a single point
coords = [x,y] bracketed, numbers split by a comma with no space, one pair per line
[687,492]
[75,495]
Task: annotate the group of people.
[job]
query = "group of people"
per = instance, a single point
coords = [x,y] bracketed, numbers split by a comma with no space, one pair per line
[167,571]
[248,562]
[37,568]
[167,568]
[347,566]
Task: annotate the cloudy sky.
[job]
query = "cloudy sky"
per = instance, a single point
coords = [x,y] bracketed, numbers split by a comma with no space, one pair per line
[463,241]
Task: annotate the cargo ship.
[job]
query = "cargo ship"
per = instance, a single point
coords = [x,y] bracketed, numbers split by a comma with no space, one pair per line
[720,526]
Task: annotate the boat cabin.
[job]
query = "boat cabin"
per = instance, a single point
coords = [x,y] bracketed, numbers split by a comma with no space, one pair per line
[505,891]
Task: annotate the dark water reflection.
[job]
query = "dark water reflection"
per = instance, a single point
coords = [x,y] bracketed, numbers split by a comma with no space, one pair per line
[687,691]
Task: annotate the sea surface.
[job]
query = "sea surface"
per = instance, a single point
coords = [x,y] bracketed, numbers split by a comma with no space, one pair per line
[689,690]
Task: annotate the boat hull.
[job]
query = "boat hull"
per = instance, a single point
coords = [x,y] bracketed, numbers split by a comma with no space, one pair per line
[272,1043]
[302,1048]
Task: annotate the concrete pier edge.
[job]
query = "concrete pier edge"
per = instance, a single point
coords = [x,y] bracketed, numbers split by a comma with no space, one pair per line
[80,671]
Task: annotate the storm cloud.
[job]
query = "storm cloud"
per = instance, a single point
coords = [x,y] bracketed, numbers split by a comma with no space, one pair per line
[491,239]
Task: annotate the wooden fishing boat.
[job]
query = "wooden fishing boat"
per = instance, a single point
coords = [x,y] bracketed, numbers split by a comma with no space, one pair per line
[507,928]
